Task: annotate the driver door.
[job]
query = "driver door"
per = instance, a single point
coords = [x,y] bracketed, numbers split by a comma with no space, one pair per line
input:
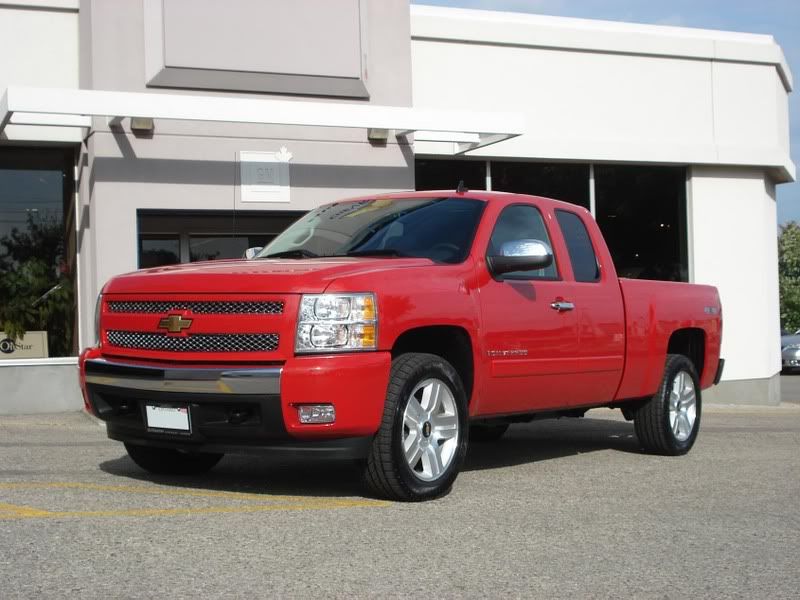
[530,333]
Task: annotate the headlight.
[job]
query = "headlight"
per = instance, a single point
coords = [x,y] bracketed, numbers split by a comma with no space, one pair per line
[336,323]
[98,307]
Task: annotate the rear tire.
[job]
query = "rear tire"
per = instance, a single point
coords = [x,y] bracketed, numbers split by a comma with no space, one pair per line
[487,433]
[166,461]
[668,423]
[421,444]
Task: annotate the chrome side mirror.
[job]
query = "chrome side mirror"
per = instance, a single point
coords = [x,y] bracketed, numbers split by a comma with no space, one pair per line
[521,255]
[252,252]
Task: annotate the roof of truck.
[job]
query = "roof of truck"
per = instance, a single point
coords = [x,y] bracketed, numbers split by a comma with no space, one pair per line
[489,196]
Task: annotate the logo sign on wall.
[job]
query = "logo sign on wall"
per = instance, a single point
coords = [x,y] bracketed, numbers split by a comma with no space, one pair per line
[264,176]
[32,345]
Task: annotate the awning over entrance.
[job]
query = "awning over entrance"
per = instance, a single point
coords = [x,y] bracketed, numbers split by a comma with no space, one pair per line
[458,131]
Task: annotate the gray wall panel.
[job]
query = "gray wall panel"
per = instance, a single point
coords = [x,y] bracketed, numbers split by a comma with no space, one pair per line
[39,389]
[300,47]
[301,37]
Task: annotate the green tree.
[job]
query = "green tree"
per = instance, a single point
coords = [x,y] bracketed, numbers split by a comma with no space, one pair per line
[789,275]
[36,288]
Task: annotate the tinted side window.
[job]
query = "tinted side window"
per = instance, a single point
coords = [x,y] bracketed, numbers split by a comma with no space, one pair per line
[581,252]
[521,222]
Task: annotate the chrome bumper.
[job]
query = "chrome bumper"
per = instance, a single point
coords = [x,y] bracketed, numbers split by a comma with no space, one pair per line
[261,381]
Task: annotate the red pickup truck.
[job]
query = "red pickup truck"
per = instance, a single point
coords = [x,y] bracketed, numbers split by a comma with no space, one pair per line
[392,329]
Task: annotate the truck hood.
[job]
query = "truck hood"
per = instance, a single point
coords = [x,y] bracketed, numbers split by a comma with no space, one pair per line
[274,276]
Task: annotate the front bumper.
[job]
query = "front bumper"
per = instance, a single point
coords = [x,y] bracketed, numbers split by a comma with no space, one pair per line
[242,409]
[790,358]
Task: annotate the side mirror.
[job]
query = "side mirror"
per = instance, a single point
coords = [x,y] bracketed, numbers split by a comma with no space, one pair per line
[521,255]
[251,252]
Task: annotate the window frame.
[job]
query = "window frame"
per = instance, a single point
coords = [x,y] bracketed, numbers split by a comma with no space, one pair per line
[549,241]
[599,277]
[23,157]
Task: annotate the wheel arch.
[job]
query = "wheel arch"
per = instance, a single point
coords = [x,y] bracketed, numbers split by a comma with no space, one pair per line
[691,343]
[451,342]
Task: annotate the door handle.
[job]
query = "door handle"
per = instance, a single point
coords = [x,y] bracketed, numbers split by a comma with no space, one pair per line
[562,306]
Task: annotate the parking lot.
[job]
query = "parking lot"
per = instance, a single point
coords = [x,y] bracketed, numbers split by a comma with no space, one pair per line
[567,508]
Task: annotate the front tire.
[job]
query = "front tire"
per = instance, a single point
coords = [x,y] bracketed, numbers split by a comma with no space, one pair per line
[420,446]
[668,423]
[166,461]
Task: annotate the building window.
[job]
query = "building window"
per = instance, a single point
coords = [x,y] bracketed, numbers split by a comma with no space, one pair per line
[446,174]
[214,247]
[561,181]
[37,253]
[159,250]
[641,211]
[174,236]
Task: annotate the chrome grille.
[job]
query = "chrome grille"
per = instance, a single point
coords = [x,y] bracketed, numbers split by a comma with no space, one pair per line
[197,306]
[200,342]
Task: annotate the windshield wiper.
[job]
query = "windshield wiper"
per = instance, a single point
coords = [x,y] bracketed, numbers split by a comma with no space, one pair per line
[378,252]
[296,253]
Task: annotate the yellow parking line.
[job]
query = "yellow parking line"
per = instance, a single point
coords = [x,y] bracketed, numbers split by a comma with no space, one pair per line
[24,512]
[138,489]
[266,502]
[14,511]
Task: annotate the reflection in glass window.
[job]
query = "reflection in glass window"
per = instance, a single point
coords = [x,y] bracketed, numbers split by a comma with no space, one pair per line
[37,249]
[169,237]
[217,247]
[641,211]
[440,229]
[521,222]
[158,251]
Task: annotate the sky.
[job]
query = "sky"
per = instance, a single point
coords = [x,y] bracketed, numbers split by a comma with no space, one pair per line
[779,18]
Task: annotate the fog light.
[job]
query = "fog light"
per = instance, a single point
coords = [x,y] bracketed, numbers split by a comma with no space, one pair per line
[316,413]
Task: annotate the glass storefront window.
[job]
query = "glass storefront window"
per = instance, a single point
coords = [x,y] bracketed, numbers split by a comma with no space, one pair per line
[37,253]
[158,251]
[219,247]
[168,237]
[445,174]
[641,211]
[561,181]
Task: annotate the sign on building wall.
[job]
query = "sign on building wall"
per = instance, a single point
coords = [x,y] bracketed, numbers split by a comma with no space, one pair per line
[264,176]
[32,345]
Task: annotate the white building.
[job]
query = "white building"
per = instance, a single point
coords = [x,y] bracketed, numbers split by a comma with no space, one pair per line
[674,138]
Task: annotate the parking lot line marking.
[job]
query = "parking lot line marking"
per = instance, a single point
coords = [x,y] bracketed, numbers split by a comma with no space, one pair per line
[140,489]
[13,511]
[25,512]
[265,502]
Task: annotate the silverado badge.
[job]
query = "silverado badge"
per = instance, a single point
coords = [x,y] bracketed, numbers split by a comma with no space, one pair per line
[174,323]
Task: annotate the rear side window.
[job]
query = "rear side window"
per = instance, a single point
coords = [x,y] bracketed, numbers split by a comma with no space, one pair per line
[521,222]
[581,252]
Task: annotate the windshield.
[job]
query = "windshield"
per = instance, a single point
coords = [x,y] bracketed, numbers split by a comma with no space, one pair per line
[440,229]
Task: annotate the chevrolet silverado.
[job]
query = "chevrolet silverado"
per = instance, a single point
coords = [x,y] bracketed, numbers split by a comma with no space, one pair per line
[393,329]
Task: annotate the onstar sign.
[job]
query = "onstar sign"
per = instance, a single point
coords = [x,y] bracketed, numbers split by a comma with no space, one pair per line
[32,345]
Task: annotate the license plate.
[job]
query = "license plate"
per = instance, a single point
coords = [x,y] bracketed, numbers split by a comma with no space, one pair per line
[168,417]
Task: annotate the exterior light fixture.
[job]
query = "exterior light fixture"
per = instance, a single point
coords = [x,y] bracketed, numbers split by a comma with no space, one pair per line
[375,134]
[142,125]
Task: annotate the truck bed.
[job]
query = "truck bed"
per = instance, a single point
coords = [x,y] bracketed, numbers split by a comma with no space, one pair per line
[653,311]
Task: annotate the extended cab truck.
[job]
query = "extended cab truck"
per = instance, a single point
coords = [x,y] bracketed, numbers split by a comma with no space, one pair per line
[392,329]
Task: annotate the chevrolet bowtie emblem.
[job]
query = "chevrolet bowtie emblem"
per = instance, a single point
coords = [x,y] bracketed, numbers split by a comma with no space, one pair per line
[174,323]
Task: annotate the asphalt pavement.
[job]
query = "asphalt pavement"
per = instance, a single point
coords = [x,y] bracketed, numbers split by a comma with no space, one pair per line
[556,509]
